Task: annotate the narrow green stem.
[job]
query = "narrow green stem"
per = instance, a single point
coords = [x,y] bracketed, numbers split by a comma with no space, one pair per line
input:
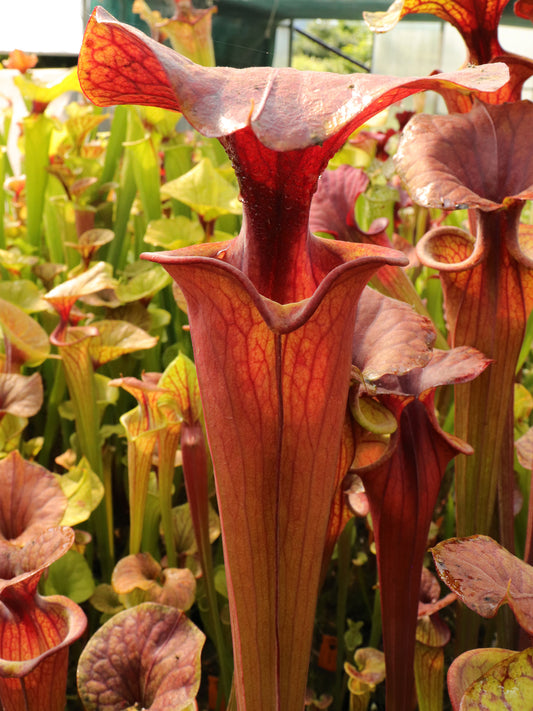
[118,250]
[194,455]
[52,421]
[376,624]
[224,658]
[107,480]
[344,562]
[115,144]
[37,133]
[79,376]
[168,445]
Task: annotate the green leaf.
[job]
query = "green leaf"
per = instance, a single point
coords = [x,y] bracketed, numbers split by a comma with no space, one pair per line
[140,146]
[84,491]
[24,294]
[205,191]
[21,256]
[183,529]
[11,428]
[159,318]
[353,637]
[162,120]
[174,232]
[178,157]
[70,576]
[143,285]
[526,344]
[45,93]
[106,600]
[221,584]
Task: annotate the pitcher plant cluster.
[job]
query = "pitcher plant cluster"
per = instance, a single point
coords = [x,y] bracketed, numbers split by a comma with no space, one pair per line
[223,465]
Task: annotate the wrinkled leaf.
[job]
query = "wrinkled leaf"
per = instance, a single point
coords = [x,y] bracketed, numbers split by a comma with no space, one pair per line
[469,172]
[156,661]
[462,14]
[179,589]
[470,666]
[484,575]
[507,685]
